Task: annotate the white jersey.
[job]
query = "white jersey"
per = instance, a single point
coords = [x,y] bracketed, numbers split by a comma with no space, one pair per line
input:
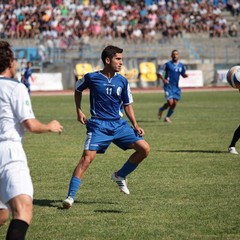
[15,107]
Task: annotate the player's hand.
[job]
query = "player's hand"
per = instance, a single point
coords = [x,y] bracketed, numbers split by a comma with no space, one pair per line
[140,131]
[165,81]
[81,117]
[55,126]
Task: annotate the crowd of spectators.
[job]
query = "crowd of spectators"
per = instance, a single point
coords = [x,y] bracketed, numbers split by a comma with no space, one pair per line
[64,23]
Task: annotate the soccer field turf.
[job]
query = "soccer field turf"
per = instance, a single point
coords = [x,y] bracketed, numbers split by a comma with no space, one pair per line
[188,187]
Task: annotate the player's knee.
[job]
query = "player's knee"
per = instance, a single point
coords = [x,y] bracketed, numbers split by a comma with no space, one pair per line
[145,150]
[23,211]
[85,161]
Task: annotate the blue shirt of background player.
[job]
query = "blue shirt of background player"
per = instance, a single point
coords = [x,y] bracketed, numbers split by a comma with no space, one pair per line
[172,72]
[27,72]
[107,96]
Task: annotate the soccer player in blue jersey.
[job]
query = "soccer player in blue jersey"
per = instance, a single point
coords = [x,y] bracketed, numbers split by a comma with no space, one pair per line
[170,75]
[26,74]
[110,95]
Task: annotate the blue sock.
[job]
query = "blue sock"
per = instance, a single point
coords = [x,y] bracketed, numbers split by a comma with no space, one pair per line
[126,169]
[170,112]
[164,107]
[74,185]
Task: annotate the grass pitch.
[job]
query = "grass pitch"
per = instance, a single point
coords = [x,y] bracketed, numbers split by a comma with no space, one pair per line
[188,187]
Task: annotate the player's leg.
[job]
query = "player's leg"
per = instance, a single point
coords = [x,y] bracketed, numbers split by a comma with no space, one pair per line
[127,138]
[96,142]
[28,87]
[172,104]
[77,177]
[161,109]
[236,137]
[142,149]
[167,92]
[19,196]
[174,96]
[21,207]
[4,214]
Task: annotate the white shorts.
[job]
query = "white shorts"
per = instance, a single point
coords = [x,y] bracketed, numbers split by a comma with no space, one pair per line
[15,176]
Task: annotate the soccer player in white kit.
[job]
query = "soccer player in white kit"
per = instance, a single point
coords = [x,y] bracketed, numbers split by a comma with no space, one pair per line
[16,115]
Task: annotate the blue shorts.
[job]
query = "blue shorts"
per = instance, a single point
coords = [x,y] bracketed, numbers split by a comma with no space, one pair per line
[100,134]
[172,92]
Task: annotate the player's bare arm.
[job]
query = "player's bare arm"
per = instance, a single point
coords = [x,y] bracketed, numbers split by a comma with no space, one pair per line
[81,117]
[164,80]
[35,126]
[131,116]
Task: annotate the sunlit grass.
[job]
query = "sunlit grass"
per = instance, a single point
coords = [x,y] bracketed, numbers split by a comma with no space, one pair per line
[188,187]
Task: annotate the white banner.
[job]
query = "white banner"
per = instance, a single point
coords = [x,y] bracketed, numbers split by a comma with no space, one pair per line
[46,82]
[194,79]
[221,75]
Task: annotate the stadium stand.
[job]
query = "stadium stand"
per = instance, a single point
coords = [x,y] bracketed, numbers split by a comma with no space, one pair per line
[148,74]
[83,68]
[74,31]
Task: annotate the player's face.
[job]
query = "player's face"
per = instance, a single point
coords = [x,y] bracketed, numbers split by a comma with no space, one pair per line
[175,56]
[117,62]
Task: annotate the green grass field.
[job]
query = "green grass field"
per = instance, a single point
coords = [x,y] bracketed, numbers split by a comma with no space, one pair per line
[188,187]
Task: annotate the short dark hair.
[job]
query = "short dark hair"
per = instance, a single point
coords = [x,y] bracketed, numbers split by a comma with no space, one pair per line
[109,52]
[175,50]
[6,55]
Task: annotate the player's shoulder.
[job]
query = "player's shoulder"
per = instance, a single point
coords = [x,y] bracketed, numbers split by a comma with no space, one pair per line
[121,77]
[10,80]
[168,63]
[14,84]
[91,75]
[180,63]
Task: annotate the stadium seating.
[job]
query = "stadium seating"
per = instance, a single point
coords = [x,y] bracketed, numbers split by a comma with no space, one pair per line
[83,68]
[148,74]
[131,75]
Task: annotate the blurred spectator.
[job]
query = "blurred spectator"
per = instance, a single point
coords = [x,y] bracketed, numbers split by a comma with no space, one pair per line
[2,35]
[233,30]
[136,34]
[42,52]
[66,20]
[234,7]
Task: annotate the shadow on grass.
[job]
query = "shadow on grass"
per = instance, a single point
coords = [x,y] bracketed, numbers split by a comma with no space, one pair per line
[58,203]
[193,151]
[108,211]
[162,123]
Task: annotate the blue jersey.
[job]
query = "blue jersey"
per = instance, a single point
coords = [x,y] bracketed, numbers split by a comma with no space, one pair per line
[27,72]
[107,96]
[173,71]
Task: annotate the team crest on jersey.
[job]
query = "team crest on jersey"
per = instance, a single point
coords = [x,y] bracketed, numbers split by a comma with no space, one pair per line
[27,102]
[119,91]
